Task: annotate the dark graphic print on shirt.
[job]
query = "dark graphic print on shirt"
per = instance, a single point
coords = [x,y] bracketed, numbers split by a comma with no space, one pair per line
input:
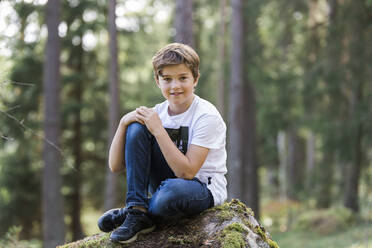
[180,137]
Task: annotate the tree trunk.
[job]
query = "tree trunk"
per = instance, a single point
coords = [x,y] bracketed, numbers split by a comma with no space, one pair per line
[111,196]
[358,78]
[236,105]
[283,158]
[53,207]
[221,59]
[77,231]
[183,22]
[250,167]
[325,177]
[310,161]
[295,165]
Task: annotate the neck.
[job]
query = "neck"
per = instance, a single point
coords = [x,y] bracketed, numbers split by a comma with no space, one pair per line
[179,109]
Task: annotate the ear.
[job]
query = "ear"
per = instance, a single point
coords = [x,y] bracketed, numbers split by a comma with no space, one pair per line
[157,81]
[196,80]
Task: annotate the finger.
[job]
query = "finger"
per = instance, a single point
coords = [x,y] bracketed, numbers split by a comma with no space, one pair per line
[144,109]
[140,111]
[140,119]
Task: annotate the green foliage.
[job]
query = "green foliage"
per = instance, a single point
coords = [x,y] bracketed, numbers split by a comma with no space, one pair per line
[354,236]
[325,221]
[12,240]
[20,125]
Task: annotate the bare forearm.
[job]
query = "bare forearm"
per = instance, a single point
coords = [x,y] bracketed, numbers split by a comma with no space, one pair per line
[116,153]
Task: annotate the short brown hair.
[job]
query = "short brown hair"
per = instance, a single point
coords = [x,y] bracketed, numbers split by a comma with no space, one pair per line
[175,54]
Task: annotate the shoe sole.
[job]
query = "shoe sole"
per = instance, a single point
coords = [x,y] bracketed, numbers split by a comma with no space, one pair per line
[134,238]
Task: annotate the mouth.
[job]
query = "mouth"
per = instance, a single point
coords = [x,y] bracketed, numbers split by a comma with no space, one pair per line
[176,93]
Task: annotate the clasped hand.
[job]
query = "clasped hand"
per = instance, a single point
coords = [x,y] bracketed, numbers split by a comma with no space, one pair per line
[150,118]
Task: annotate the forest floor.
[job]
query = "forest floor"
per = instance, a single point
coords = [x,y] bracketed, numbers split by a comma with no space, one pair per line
[357,236]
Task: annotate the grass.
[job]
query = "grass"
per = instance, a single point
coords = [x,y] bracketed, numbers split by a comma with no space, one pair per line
[357,236]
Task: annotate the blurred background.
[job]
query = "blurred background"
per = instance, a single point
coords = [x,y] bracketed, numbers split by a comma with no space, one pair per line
[292,80]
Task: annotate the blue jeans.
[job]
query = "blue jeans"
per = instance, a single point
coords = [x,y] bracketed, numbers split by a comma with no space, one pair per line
[148,172]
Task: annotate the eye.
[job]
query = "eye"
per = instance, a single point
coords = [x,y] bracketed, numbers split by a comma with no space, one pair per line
[183,78]
[167,79]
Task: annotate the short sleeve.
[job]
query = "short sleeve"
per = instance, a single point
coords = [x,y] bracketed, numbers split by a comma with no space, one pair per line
[209,131]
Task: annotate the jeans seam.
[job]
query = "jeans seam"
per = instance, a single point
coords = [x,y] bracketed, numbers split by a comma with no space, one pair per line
[137,204]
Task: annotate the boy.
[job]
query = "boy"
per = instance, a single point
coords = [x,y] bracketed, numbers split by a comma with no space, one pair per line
[176,151]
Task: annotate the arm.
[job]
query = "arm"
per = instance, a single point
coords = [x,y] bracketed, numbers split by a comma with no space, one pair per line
[116,154]
[183,166]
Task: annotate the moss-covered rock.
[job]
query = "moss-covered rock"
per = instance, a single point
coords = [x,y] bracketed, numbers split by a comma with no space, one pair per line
[227,226]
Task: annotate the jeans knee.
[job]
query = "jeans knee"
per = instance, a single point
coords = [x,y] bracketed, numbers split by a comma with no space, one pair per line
[164,202]
[136,129]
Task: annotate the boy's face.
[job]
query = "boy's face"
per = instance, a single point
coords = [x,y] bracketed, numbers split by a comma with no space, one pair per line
[177,85]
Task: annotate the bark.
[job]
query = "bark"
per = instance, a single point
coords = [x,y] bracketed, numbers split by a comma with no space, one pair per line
[358,78]
[53,205]
[229,225]
[111,196]
[221,59]
[295,165]
[183,22]
[250,166]
[310,161]
[77,231]
[324,196]
[236,105]
[283,158]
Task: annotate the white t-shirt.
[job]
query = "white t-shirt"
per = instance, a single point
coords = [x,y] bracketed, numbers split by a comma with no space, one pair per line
[206,128]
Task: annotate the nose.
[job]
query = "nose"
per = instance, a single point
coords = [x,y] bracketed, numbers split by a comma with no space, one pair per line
[175,84]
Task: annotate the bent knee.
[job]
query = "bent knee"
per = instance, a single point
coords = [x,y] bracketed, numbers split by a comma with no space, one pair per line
[164,200]
[135,128]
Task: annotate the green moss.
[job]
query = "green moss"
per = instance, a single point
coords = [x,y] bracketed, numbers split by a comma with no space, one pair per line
[229,209]
[233,236]
[92,242]
[272,244]
[258,230]
[180,240]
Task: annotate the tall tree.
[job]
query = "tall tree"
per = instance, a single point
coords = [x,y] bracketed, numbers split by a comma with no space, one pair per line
[357,80]
[236,104]
[53,208]
[183,22]
[251,53]
[75,63]
[112,179]
[221,59]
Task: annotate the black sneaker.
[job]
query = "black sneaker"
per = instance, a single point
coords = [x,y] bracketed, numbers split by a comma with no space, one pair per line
[136,222]
[112,219]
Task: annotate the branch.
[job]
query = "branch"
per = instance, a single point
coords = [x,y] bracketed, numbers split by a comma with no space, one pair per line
[20,123]
[16,83]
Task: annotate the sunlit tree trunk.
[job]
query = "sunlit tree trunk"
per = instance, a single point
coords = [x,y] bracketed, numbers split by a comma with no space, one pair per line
[310,161]
[111,195]
[283,158]
[183,22]
[53,206]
